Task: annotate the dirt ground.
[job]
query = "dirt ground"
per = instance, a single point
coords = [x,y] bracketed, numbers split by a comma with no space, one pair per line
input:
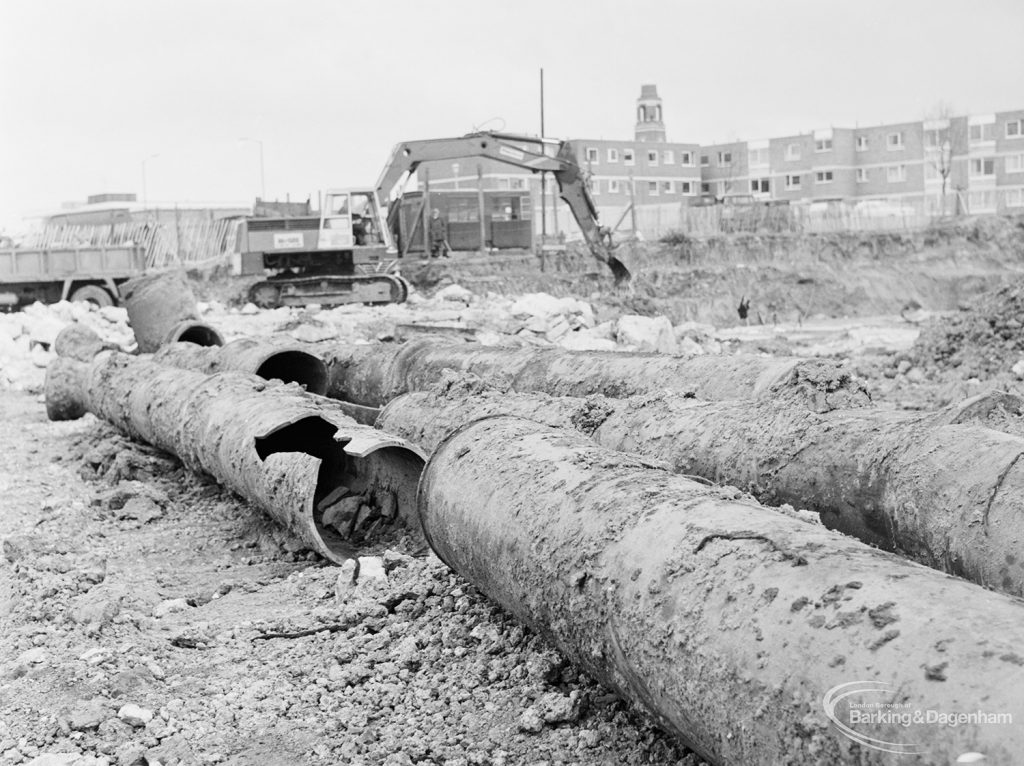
[147,616]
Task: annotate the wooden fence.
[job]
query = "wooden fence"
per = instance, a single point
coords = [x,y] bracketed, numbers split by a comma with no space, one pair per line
[188,241]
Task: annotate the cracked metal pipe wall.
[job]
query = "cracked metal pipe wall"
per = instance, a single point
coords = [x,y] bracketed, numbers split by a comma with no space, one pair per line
[941,488]
[374,374]
[280,448]
[729,622]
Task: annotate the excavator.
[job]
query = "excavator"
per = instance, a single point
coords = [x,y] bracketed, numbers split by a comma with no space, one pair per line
[347,254]
[543,155]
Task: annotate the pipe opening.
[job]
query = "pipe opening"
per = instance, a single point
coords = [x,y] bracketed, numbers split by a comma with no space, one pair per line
[197,333]
[369,501]
[296,367]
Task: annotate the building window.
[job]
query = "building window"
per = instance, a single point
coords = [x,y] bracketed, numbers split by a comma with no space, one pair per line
[823,177]
[666,187]
[862,143]
[652,188]
[613,155]
[704,162]
[983,132]
[934,139]
[724,159]
[595,186]
[628,157]
[685,187]
[592,157]
[979,201]
[686,158]
[823,145]
[518,184]
[792,181]
[931,172]
[793,152]
[613,186]
[668,157]
[1014,198]
[757,156]
[652,158]
[862,175]
[894,141]
[1015,163]
[705,188]
[983,166]
[1015,129]
[504,184]
[759,186]
[895,174]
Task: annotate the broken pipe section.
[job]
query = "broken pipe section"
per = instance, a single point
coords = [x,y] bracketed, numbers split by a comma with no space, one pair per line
[298,457]
[162,309]
[729,622]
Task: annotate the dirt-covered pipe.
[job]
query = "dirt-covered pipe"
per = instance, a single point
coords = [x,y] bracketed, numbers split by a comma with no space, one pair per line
[300,458]
[374,374]
[941,488]
[271,359]
[734,625]
[162,309]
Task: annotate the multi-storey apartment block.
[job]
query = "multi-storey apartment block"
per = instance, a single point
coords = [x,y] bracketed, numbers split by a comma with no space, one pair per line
[971,164]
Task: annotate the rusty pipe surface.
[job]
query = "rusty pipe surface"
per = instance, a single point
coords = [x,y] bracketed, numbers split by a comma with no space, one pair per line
[374,374]
[271,359]
[735,626]
[162,309]
[942,488]
[298,457]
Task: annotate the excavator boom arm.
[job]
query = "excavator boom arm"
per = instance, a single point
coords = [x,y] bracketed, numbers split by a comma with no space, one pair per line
[508,149]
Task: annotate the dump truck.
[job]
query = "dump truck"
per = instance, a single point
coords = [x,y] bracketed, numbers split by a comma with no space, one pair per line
[51,274]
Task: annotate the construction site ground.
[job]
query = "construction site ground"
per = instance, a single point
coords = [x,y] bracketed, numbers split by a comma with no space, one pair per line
[149,616]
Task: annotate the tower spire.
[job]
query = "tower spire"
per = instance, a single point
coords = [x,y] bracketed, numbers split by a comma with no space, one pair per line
[649,123]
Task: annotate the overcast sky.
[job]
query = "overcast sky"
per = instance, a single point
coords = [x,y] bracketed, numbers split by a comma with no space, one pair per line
[91,91]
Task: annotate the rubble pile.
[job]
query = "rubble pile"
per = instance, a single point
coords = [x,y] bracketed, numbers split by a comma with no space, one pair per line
[985,339]
[27,337]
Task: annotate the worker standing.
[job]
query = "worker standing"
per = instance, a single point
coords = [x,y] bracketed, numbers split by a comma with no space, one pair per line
[438,234]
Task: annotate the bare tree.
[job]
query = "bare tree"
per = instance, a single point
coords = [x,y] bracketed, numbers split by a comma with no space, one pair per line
[945,145]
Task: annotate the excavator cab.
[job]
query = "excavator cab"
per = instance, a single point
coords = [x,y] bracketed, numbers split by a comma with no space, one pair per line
[351,218]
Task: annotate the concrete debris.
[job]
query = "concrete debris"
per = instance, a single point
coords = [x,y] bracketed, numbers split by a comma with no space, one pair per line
[638,333]
[134,715]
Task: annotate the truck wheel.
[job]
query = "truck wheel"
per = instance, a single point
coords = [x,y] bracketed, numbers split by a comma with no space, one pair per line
[92,294]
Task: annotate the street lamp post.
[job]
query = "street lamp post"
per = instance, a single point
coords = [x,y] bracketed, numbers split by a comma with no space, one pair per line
[263,185]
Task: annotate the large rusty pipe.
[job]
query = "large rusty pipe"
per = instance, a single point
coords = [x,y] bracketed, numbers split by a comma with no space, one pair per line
[734,625]
[162,309]
[268,358]
[941,488]
[271,359]
[374,374]
[289,453]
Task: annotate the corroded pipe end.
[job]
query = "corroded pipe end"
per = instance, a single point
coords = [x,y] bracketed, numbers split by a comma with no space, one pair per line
[77,341]
[295,366]
[64,387]
[366,484]
[190,331]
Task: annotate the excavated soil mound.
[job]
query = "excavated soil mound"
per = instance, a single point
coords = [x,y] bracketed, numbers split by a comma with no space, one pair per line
[981,341]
